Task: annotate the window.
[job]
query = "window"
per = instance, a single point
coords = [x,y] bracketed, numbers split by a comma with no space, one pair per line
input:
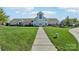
[40,16]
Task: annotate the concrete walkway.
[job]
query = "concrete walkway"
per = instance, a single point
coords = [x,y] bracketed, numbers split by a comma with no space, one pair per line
[75,32]
[42,42]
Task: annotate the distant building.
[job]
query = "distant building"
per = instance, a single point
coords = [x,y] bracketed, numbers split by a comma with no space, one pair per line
[39,20]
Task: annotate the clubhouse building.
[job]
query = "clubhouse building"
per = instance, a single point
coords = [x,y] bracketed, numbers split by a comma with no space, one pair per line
[39,20]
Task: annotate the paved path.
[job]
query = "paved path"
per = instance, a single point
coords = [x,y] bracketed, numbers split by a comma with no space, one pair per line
[42,42]
[75,32]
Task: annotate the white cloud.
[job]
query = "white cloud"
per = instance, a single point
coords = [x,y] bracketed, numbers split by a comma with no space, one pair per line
[46,13]
[24,13]
[74,10]
[49,13]
[17,12]
[22,10]
[34,12]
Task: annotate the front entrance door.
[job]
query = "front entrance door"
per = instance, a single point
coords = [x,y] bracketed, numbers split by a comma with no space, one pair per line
[40,24]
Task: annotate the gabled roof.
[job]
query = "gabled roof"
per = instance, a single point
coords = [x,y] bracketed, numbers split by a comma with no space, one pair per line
[39,13]
[52,19]
[21,20]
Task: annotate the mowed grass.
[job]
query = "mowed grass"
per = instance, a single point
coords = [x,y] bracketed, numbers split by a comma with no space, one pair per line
[65,40]
[17,38]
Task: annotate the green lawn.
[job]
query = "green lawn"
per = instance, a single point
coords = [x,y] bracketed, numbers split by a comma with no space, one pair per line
[17,38]
[65,41]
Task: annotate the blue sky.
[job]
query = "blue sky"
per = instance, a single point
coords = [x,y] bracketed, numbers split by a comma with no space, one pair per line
[49,12]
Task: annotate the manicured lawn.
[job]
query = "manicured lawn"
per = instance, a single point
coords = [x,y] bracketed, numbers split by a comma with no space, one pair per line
[64,41]
[17,38]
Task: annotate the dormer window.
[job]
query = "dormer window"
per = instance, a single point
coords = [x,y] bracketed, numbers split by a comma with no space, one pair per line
[40,16]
